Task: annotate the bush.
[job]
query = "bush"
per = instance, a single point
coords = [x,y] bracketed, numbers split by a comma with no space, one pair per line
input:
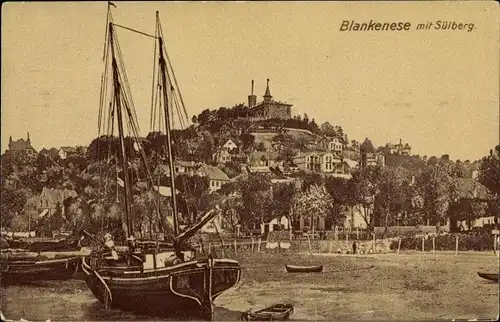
[477,242]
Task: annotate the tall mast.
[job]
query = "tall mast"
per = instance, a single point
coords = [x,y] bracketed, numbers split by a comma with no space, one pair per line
[117,90]
[165,87]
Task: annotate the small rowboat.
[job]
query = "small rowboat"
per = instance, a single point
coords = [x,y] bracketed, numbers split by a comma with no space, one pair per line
[304,269]
[489,276]
[276,312]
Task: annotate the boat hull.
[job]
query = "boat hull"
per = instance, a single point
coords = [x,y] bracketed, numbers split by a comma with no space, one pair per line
[15,271]
[277,312]
[171,291]
[304,269]
[489,276]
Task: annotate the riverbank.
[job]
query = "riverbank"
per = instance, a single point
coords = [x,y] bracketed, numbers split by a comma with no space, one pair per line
[383,286]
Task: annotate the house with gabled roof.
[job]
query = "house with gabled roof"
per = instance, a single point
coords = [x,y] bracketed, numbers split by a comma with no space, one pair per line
[180,167]
[21,145]
[216,176]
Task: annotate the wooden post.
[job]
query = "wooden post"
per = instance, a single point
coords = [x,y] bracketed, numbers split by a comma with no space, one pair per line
[456,244]
[399,245]
[423,243]
[310,245]
[235,248]
[279,246]
[258,247]
[336,233]
[331,245]
[252,245]
[357,233]
[347,240]
[209,248]
[434,245]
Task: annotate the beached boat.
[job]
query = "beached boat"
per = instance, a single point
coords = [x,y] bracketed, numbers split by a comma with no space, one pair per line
[165,278]
[18,269]
[276,312]
[489,276]
[37,244]
[304,269]
[39,258]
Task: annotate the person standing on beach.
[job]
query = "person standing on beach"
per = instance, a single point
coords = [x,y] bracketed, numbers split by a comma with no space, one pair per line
[354,246]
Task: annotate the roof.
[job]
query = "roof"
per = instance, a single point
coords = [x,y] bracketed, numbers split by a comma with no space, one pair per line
[164,168]
[213,173]
[229,142]
[56,195]
[303,154]
[270,102]
[20,145]
[68,149]
[351,163]
[268,92]
[469,188]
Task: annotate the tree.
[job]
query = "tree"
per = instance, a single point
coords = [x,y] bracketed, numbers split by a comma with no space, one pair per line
[248,140]
[365,188]
[232,169]
[437,188]
[489,171]
[310,179]
[393,194]
[315,203]
[283,195]
[327,129]
[257,198]
[13,201]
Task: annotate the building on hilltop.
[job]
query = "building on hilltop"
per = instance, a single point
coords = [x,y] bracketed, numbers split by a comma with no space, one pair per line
[21,145]
[398,148]
[268,108]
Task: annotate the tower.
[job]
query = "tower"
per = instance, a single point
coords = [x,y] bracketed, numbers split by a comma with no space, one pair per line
[252,99]
[28,138]
[267,94]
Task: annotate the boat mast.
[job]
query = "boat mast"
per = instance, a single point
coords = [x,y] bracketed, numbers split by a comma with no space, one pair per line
[165,87]
[117,91]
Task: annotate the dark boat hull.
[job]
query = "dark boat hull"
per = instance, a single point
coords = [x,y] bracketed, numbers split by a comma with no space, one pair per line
[14,271]
[169,291]
[304,269]
[46,244]
[489,276]
[277,312]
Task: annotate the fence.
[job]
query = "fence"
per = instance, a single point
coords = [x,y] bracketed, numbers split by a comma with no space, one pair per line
[448,242]
[259,245]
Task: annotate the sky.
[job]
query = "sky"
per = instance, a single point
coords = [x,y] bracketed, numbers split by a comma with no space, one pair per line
[436,90]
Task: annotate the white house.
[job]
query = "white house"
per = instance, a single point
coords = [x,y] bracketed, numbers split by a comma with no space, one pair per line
[335,145]
[283,222]
[217,176]
[230,145]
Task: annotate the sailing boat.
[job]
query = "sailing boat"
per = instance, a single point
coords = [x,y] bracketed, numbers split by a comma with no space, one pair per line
[184,282]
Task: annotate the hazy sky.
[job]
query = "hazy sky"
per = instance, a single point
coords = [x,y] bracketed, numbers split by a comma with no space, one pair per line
[437,90]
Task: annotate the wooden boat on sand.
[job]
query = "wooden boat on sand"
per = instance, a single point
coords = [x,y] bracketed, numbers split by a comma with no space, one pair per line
[489,276]
[20,265]
[276,312]
[304,269]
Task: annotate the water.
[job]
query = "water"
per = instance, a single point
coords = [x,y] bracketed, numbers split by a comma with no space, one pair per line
[71,300]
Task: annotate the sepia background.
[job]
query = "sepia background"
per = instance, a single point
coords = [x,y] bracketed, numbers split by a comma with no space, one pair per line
[437,90]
